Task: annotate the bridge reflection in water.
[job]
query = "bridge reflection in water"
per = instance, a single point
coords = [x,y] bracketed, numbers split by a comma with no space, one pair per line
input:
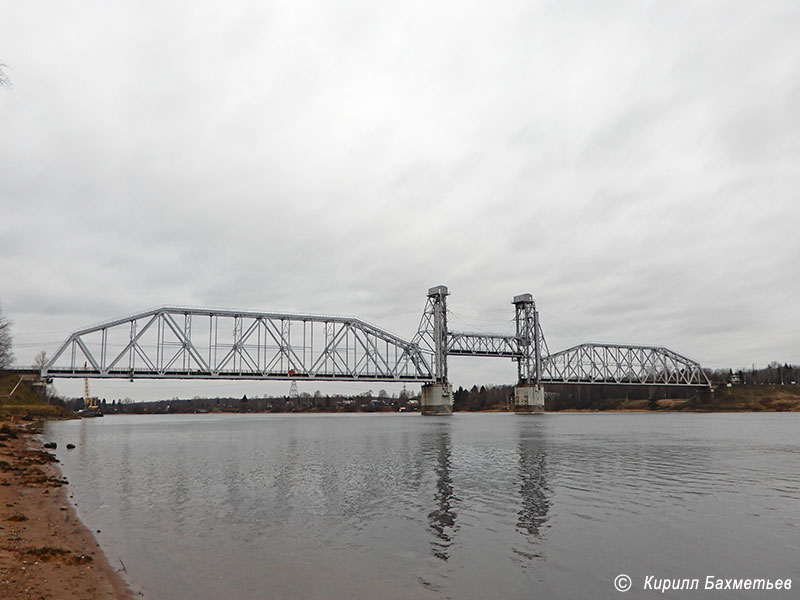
[392,506]
[442,518]
[527,489]
[533,488]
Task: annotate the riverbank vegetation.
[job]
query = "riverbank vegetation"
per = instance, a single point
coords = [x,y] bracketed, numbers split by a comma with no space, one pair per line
[773,388]
[25,396]
[747,397]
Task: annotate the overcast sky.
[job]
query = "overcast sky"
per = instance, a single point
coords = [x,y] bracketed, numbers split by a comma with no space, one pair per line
[634,165]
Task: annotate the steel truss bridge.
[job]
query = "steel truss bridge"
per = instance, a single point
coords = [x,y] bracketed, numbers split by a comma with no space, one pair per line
[174,342]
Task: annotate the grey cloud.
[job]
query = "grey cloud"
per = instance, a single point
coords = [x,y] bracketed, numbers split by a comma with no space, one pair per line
[632,165]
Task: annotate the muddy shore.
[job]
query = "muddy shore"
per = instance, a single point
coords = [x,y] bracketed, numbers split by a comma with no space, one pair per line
[45,551]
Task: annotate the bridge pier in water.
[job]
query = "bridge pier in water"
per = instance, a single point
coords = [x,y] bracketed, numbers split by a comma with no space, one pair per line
[528,399]
[437,399]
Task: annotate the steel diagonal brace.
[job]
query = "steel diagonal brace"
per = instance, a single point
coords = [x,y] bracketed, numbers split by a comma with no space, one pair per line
[549,368]
[569,368]
[87,353]
[244,354]
[370,356]
[637,361]
[594,360]
[374,353]
[382,334]
[187,343]
[133,342]
[284,347]
[248,359]
[178,353]
[675,371]
[336,353]
[655,363]
[333,342]
[268,364]
[653,360]
[383,357]
[145,358]
[560,367]
[401,364]
[360,365]
[57,355]
[414,355]
[582,358]
[573,365]
[235,346]
[172,360]
[576,359]
[600,361]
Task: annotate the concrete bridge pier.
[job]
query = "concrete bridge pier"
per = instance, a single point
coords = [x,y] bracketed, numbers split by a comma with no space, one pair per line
[437,399]
[529,399]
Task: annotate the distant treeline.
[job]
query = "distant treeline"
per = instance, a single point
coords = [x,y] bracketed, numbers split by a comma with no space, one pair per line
[773,374]
[482,398]
[301,403]
[576,396]
[476,398]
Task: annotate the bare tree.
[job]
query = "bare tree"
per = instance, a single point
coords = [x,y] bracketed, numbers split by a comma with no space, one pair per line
[4,80]
[6,356]
[40,361]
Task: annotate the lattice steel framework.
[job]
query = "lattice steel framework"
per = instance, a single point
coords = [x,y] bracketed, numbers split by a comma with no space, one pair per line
[190,343]
[526,346]
[461,343]
[620,364]
[530,338]
[432,334]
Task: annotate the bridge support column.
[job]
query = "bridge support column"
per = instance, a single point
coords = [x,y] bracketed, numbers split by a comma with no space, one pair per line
[529,399]
[437,399]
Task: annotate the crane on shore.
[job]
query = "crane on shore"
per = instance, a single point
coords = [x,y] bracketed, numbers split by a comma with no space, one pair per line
[90,404]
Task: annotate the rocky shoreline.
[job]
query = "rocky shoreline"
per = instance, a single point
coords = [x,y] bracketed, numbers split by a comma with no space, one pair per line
[45,551]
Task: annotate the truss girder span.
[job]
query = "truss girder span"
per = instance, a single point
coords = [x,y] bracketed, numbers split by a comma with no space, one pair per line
[482,344]
[621,364]
[181,343]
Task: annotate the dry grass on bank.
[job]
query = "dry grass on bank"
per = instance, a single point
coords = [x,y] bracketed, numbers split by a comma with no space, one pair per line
[21,399]
[759,398]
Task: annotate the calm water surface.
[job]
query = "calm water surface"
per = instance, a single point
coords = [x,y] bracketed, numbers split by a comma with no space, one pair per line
[468,507]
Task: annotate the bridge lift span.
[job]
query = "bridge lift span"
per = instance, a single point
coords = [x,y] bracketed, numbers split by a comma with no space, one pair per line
[173,342]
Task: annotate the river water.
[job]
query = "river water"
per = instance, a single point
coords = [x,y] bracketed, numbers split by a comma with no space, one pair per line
[473,506]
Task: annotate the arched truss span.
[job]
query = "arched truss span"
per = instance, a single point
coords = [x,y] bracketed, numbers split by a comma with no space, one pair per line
[190,343]
[622,364]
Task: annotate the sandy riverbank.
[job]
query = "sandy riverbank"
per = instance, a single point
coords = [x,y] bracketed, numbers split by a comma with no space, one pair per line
[45,551]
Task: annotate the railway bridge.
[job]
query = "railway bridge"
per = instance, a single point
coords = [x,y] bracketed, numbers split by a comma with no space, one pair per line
[173,342]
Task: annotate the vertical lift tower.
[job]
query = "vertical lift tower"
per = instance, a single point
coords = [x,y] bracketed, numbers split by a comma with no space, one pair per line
[526,348]
[528,393]
[437,397]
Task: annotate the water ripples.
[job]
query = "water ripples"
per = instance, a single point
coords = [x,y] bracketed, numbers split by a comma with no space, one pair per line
[390,505]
